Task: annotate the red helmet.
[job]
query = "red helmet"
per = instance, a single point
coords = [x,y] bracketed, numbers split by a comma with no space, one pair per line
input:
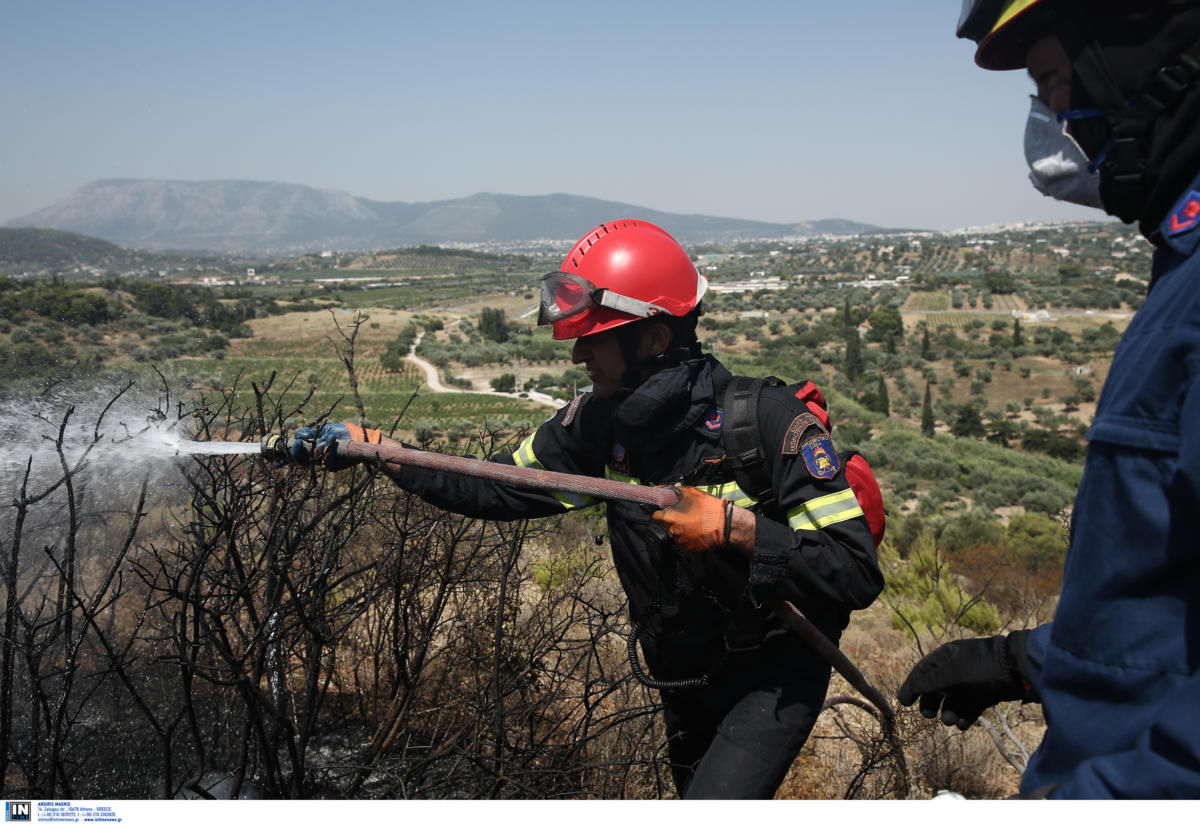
[619,273]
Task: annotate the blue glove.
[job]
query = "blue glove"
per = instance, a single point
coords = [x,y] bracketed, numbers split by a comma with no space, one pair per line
[302,445]
[324,450]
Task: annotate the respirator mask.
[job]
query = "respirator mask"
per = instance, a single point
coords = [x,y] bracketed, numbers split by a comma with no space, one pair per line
[1058,166]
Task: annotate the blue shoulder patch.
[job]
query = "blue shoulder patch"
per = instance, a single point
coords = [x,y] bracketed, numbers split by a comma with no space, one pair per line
[1186,216]
[618,459]
[713,418]
[820,458]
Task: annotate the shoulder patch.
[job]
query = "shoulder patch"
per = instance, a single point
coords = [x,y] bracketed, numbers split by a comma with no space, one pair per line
[573,409]
[795,432]
[713,418]
[1186,217]
[618,459]
[820,458]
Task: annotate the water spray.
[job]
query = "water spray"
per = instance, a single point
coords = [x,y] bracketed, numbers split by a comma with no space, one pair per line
[184,447]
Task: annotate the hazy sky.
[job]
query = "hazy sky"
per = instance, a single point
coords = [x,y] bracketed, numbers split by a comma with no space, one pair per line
[781,111]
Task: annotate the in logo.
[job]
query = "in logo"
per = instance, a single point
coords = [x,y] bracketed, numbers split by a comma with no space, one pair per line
[18,811]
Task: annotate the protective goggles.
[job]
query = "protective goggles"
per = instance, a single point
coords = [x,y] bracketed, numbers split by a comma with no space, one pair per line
[565,296]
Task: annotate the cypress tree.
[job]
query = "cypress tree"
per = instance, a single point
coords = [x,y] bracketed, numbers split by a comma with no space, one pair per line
[968,423]
[853,356]
[927,413]
[1017,339]
[925,345]
[493,324]
[884,405]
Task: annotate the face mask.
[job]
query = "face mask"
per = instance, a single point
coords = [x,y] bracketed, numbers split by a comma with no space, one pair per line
[1059,168]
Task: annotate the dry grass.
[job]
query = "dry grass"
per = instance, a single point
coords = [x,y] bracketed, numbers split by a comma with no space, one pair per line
[311,333]
[938,758]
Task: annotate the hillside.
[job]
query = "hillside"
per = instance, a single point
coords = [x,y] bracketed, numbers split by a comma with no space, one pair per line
[51,251]
[44,248]
[274,218]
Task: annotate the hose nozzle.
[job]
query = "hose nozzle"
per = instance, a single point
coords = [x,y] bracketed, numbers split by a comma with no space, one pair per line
[276,447]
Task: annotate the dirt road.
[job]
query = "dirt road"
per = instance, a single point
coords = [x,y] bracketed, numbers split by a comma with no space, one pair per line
[433,380]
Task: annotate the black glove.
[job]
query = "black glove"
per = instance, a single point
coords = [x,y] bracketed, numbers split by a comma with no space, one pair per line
[966,677]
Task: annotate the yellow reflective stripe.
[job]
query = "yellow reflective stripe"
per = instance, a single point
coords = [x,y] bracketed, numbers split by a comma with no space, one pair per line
[612,475]
[1010,10]
[730,492]
[572,501]
[824,511]
[815,514]
[524,457]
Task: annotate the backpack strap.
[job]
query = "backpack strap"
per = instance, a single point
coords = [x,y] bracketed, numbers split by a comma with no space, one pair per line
[742,441]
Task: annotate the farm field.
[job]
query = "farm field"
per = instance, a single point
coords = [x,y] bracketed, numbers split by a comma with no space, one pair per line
[956,320]
[926,302]
[302,349]
[404,289]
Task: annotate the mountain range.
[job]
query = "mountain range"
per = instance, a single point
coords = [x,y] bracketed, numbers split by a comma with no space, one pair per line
[276,218]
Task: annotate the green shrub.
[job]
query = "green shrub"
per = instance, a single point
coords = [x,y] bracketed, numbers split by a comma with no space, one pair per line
[926,598]
[504,383]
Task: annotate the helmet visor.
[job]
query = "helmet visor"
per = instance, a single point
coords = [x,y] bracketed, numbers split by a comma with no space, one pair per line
[565,295]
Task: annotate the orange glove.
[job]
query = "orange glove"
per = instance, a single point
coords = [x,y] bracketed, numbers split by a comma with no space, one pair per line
[698,522]
[357,433]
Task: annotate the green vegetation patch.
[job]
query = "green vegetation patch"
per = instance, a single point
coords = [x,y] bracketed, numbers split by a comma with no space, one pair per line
[927,600]
[992,475]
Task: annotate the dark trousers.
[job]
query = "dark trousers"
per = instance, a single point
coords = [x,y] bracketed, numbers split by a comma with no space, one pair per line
[736,738]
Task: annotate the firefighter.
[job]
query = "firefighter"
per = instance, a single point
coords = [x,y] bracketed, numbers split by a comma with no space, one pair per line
[740,694]
[1115,124]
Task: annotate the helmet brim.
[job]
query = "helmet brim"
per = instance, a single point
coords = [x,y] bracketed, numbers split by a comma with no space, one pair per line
[1003,49]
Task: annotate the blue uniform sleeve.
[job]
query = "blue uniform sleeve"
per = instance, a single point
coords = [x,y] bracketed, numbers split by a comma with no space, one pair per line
[1189,445]
[1036,643]
[1165,759]
[1164,762]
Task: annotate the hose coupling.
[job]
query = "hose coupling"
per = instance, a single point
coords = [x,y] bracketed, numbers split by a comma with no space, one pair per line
[276,447]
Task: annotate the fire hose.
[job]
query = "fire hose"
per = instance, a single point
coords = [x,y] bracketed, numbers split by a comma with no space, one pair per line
[276,446]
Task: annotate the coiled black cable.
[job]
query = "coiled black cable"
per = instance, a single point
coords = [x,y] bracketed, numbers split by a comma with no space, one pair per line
[635,632]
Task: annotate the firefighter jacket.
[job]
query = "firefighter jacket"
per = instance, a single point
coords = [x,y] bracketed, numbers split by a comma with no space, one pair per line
[817,552]
[1118,670]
